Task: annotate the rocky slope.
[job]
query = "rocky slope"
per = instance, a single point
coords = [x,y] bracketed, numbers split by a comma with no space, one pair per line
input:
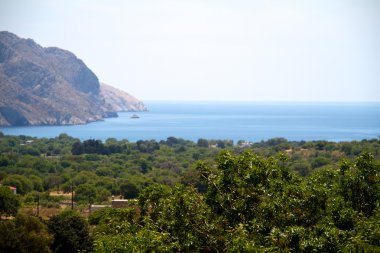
[51,86]
[120,101]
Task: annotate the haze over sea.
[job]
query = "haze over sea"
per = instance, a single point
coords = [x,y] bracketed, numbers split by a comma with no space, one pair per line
[249,121]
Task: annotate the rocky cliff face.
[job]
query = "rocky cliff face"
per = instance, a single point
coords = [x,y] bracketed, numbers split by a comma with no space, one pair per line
[51,86]
[120,101]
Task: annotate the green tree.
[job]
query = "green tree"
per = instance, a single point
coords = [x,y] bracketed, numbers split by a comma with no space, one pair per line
[360,183]
[203,143]
[77,148]
[24,234]
[185,217]
[9,202]
[22,183]
[37,183]
[240,184]
[71,232]
[150,197]
[102,195]
[129,190]
[85,193]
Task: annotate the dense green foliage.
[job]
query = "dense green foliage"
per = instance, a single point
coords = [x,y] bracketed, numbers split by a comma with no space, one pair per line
[254,204]
[24,234]
[9,202]
[210,195]
[124,168]
[71,232]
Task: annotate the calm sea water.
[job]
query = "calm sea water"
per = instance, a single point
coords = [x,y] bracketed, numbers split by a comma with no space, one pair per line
[235,121]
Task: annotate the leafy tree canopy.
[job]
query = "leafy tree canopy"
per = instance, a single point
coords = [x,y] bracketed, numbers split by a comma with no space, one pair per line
[9,202]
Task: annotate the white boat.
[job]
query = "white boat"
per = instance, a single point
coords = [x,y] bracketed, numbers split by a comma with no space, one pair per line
[135,116]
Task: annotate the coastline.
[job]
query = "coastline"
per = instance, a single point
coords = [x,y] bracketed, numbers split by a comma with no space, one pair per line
[227,120]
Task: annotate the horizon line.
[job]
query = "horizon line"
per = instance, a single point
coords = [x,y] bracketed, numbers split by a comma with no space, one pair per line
[261,101]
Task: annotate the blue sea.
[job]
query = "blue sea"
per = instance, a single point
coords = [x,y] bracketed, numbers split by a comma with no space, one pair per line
[249,121]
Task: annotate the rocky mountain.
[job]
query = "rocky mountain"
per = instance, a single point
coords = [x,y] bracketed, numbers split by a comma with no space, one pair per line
[51,86]
[120,101]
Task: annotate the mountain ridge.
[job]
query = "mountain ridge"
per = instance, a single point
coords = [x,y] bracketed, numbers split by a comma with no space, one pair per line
[51,86]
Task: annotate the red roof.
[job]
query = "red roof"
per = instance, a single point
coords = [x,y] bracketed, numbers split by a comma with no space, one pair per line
[12,188]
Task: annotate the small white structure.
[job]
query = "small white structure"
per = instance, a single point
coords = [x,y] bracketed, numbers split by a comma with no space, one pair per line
[246,144]
[13,189]
[93,208]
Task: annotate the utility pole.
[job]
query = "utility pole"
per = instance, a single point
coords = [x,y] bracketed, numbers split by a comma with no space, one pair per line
[38,205]
[89,207]
[72,196]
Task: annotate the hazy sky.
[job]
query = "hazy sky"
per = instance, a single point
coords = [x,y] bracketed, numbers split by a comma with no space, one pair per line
[269,50]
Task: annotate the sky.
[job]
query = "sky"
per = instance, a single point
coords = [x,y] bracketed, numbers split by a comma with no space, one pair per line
[215,50]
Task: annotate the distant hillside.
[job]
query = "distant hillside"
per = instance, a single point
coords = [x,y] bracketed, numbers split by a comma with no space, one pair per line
[120,101]
[51,86]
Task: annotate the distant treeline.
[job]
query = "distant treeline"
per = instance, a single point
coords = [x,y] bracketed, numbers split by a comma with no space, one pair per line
[146,146]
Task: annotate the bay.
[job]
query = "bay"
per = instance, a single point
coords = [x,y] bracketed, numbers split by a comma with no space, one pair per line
[250,121]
